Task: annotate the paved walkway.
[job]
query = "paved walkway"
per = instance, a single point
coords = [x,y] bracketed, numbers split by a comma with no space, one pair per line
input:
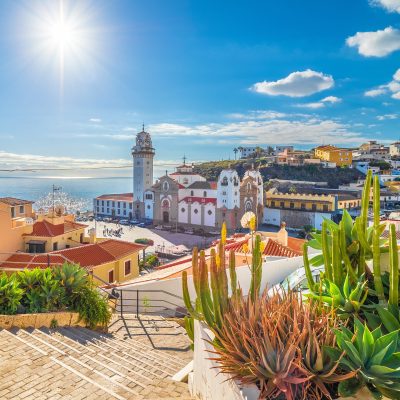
[76,363]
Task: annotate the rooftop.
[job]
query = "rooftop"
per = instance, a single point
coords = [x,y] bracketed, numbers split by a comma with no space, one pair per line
[13,201]
[87,255]
[47,229]
[117,197]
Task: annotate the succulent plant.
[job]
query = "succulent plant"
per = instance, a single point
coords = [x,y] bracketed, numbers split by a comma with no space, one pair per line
[373,355]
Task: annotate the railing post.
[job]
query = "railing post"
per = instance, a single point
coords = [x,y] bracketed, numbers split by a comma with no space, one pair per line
[121,304]
[137,303]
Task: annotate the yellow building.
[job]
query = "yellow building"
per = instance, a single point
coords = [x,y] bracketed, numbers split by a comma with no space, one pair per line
[342,157]
[51,233]
[300,201]
[108,261]
[16,219]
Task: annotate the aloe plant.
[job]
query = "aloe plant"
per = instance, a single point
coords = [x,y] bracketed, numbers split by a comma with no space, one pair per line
[373,355]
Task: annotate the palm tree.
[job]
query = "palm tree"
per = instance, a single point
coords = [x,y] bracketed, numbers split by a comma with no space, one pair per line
[235,150]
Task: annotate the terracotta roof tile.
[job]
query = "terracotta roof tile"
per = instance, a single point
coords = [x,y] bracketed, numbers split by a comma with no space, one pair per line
[12,201]
[121,196]
[46,229]
[87,255]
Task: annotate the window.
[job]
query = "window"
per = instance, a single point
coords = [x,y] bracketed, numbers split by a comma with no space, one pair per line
[81,238]
[108,211]
[12,212]
[55,246]
[209,212]
[113,203]
[119,204]
[108,203]
[204,194]
[124,205]
[97,202]
[124,212]
[165,186]
[272,203]
[148,206]
[183,210]
[314,207]
[325,207]
[118,211]
[282,205]
[36,248]
[111,276]
[192,192]
[291,205]
[165,203]
[302,206]
[196,211]
[102,203]
[130,206]
[224,181]
[21,209]
[127,268]
[149,196]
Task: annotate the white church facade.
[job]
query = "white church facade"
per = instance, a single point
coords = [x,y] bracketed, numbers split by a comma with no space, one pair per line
[184,198]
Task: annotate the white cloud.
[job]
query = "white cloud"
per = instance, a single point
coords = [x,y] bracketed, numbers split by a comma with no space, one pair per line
[375,92]
[391,87]
[95,120]
[389,5]
[321,103]
[308,130]
[296,84]
[376,44]
[386,116]
[258,114]
[331,99]
[312,106]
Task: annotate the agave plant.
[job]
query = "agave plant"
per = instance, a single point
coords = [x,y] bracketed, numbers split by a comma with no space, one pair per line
[373,356]
[346,300]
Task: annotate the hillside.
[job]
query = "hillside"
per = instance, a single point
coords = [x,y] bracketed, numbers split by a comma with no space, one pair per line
[334,176]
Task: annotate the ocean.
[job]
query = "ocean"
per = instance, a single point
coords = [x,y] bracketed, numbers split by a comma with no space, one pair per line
[83,190]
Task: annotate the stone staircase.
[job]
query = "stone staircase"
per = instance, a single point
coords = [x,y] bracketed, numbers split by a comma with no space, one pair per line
[76,363]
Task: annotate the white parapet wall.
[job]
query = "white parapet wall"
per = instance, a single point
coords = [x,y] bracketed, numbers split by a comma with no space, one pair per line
[206,382]
[167,293]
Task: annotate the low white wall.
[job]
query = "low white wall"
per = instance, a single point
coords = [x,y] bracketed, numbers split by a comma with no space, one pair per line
[273,272]
[205,381]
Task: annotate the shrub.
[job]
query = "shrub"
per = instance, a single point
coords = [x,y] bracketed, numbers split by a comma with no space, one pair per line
[41,292]
[145,241]
[10,294]
[92,307]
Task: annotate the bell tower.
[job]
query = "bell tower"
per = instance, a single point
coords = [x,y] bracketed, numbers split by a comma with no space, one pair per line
[143,154]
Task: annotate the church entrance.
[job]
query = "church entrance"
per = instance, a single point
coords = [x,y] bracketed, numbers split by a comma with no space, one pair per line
[166,217]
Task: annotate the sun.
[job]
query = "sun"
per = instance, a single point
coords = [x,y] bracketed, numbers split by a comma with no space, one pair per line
[62,36]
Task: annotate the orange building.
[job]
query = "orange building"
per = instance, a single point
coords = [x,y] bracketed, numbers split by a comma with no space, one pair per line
[341,157]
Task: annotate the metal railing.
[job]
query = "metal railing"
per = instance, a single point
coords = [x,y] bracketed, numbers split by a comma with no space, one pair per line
[148,302]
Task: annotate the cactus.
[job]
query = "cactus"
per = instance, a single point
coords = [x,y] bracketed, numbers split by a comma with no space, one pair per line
[394,268]
[376,251]
[212,289]
[325,250]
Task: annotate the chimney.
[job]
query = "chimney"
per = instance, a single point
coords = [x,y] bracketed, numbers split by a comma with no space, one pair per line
[282,235]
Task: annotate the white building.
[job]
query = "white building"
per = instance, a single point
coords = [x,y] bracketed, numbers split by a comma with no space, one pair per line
[246,152]
[228,184]
[394,149]
[118,206]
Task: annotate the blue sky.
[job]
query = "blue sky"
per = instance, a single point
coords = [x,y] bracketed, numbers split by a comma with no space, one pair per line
[204,77]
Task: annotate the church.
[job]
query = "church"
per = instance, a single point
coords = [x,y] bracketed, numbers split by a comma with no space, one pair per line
[184,198]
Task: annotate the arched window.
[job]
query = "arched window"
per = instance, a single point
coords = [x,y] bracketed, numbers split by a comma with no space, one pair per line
[248,206]
[248,186]
[192,193]
[224,181]
[196,211]
[235,181]
[165,186]
[204,194]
